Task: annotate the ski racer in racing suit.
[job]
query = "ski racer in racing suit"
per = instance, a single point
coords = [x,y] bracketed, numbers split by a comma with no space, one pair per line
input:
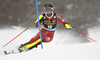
[49,20]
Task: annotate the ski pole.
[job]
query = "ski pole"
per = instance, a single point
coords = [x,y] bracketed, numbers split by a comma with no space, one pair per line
[39,23]
[84,35]
[18,35]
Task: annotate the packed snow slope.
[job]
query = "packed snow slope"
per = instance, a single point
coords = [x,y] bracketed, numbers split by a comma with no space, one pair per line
[65,46]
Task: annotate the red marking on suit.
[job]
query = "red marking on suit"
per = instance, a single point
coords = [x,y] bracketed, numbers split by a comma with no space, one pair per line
[47,36]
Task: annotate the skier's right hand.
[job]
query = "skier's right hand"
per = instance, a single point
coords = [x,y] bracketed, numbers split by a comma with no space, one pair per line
[36,25]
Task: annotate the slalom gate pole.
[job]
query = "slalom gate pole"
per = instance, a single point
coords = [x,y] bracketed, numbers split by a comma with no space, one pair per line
[18,35]
[84,35]
[39,23]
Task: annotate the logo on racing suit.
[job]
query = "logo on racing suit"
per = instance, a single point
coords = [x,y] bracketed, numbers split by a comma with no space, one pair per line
[50,22]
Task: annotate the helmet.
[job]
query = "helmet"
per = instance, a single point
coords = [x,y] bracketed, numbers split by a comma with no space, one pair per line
[48,6]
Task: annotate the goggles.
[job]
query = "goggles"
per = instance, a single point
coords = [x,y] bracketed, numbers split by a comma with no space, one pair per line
[48,8]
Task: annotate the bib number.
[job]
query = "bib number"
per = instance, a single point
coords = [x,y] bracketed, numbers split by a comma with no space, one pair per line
[50,26]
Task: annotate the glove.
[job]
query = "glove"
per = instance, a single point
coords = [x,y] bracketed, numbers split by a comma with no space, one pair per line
[68,26]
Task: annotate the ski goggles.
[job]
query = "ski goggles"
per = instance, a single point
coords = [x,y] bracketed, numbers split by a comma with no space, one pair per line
[48,8]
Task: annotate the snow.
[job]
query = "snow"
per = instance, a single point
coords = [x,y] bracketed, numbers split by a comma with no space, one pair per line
[73,49]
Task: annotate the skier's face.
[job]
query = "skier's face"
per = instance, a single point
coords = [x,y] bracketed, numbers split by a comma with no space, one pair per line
[48,10]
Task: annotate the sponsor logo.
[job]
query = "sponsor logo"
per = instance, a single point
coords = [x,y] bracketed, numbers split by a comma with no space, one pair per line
[50,22]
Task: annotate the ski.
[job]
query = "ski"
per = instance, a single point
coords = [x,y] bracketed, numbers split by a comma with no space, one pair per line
[11,52]
[6,53]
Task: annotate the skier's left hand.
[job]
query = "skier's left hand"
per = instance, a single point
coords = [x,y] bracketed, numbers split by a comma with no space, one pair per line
[68,26]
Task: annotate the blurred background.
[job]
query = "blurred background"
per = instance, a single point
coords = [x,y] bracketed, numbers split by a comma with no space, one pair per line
[81,14]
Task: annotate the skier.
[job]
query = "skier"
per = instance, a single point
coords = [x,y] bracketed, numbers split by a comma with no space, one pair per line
[49,20]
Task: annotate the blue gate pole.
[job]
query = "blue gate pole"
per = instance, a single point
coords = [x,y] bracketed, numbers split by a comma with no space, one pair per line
[39,23]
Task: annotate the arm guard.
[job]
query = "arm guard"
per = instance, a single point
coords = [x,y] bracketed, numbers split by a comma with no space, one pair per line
[40,17]
[67,25]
